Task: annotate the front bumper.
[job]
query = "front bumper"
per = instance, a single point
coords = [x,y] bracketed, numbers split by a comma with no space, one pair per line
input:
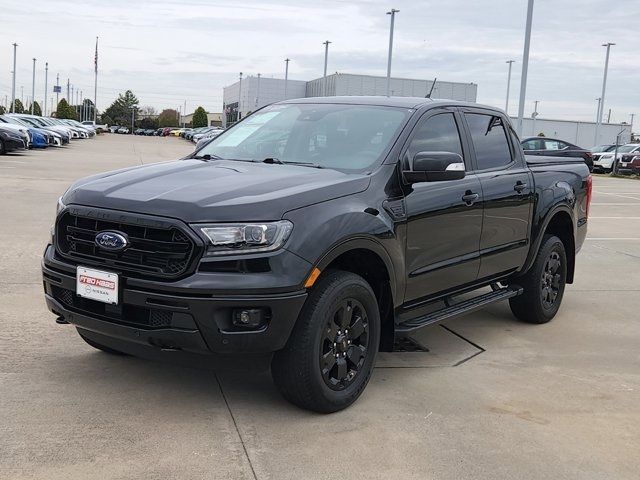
[14,143]
[153,319]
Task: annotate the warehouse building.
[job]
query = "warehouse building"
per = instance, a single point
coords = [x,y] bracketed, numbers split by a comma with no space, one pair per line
[241,98]
[578,133]
[348,84]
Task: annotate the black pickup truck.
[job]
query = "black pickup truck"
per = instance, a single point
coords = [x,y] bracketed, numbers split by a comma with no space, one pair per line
[314,233]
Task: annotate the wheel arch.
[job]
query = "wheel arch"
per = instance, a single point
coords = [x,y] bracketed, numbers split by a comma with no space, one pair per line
[369,259]
[558,222]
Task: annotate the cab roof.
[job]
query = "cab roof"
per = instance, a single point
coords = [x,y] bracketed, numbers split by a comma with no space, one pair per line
[402,102]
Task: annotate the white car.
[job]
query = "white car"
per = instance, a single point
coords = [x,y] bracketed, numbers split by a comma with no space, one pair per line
[123,130]
[96,126]
[603,162]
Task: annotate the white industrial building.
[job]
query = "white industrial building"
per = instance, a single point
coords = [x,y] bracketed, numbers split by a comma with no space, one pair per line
[257,92]
[254,92]
[578,133]
[348,84]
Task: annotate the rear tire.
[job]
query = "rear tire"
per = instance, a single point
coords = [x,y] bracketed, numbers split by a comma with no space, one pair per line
[543,284]
[329,357]
[99,346]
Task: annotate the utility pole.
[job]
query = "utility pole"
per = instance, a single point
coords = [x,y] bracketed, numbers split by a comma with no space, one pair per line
[57,90]
[22,95]
[68,86]
[33,86]
[258,93]
[392,12]
[95,87]
[604,88]
[239,99]
[506,106]
[13,84]
[46,79]
[286,76]
[81,107]
[598,109]
[185,112]
[631,123]
[324,76]
[133,116]
[525,66]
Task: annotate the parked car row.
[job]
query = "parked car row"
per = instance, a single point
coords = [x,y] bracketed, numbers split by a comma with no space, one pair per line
[23,131]
[627,156]
[193,134]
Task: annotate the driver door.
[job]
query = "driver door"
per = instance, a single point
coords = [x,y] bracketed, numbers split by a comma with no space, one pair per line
[443,229]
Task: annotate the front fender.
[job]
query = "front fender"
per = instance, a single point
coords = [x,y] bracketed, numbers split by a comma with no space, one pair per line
[324,231]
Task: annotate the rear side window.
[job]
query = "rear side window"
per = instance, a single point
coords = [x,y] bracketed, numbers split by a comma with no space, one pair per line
[531,145]
[554,145]
[489,140]
[438,133]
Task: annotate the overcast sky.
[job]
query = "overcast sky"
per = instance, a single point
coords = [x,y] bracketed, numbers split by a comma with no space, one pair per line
[171,51]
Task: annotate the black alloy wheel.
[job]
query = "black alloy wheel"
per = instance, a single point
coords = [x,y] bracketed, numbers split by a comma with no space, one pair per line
[344,344]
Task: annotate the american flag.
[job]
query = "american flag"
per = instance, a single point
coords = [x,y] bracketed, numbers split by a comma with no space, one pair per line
[95,60]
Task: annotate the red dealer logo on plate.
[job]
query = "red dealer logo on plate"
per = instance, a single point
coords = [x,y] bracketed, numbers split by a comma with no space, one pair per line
[97,282]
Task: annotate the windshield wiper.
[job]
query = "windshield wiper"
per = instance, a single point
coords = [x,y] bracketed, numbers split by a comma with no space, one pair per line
[273,160]
[207,156]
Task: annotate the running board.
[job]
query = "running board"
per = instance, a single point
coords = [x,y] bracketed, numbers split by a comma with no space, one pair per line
[453,310]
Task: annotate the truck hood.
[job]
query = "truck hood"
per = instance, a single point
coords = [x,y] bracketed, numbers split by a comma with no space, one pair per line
[214,191]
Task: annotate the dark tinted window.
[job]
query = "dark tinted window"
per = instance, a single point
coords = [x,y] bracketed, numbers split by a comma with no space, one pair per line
[436,134]
[489,140]
[554,145]
[531,145]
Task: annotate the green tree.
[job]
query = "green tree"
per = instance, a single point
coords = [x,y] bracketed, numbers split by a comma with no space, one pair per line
[168,118]
[2,110]
[120,110]
[65,110]
[148,123]
[36,109]
[199,118]
[17,106]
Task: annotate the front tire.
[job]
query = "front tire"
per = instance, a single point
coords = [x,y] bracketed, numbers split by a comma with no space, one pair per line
[543,284]
[329,357]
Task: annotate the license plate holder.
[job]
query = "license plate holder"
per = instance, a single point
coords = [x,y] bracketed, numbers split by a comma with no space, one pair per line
[97,285]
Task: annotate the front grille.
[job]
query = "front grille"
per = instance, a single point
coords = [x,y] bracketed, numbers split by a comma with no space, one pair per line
[155,249]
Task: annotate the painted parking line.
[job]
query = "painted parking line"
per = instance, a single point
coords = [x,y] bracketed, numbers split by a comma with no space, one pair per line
[613,238]
[614,204]
[615,218]
[617,195]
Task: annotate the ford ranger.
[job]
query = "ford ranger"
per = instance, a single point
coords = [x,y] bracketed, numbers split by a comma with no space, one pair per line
[312,234]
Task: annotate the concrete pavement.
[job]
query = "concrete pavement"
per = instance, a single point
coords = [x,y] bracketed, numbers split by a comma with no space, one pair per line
[491,398]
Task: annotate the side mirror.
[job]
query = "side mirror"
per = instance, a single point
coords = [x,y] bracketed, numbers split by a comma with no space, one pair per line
[435,167]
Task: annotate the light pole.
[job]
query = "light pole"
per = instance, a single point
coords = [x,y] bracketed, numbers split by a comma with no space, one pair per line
[133,116]
[525,66]
[392,12]
[33,86]
[324,76]
[239,98]
[598,109]
[604,88]
[506,106]
[257,93]
[57,90]
[81,107]
[631,122]
[46,79]
[286,76]
[22,95]
[13,84]
[534,115]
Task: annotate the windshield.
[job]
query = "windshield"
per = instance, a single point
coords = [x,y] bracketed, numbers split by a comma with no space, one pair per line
[344,137]
[626,148]
[602,148]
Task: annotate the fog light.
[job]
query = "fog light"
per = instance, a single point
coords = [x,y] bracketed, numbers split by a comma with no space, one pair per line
[248,317]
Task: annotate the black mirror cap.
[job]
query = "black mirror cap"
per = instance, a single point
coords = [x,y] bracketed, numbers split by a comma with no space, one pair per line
[435,167]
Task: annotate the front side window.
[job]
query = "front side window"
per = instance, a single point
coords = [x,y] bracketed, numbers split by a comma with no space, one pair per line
[343,137]
[489,140]
[438,133]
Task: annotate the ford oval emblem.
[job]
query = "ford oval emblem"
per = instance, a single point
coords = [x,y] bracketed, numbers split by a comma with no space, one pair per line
[113,241]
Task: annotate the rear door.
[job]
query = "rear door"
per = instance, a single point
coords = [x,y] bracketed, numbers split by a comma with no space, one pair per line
[507,191]
[443,230]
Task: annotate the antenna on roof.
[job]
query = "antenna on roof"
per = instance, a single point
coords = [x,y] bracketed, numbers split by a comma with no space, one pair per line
[428,95]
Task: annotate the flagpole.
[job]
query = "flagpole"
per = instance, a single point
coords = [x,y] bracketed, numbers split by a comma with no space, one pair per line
[95,87]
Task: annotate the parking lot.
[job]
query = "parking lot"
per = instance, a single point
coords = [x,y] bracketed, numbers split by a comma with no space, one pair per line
[489,398]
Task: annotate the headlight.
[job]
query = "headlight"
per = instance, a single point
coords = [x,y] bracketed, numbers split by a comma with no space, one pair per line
[230,239]
[60,206]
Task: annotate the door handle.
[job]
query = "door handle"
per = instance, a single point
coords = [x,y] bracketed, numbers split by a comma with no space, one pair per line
[469,197]
[519,186]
